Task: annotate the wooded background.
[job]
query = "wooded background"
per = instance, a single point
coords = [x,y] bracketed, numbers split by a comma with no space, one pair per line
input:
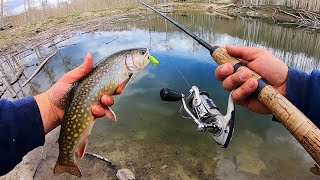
[37,10]
[310,5]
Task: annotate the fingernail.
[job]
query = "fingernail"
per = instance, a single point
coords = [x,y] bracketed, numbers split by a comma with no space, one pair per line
[97,110]
[224,69]
[251,84]
[243,75]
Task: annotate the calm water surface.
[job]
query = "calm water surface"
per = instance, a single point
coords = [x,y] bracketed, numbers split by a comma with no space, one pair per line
[150,134]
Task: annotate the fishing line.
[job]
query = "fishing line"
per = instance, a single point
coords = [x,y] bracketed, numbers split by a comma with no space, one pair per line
[179,70]
[184,78]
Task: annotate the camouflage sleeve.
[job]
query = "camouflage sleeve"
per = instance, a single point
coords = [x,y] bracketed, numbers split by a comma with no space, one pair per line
[21,130]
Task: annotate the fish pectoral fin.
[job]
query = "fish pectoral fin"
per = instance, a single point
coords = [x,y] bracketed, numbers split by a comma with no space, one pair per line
[110,114]
[82,147]
[121,87]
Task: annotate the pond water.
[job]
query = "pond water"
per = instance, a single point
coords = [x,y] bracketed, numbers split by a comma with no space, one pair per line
[151,138]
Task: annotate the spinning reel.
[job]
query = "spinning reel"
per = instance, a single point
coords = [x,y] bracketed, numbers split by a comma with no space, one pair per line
[202,110]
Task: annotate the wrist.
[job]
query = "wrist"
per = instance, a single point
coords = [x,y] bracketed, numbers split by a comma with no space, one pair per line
[48,111]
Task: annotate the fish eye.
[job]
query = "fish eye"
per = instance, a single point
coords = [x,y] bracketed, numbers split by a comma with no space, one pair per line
[142,52]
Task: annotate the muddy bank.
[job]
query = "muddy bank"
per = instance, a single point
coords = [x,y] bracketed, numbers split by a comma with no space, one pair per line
[18,39]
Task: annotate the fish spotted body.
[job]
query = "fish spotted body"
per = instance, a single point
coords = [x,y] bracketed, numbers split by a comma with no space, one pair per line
[109,77]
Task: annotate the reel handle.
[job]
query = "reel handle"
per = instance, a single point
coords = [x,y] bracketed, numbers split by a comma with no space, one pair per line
[167,94]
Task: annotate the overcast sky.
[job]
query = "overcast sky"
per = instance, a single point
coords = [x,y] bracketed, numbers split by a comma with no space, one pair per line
[17,5]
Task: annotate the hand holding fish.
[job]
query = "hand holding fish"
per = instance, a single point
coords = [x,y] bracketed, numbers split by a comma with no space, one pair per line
[259,60]
[49,102]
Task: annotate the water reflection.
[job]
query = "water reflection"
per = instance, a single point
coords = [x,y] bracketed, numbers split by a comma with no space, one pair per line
[285,42]
[151,134]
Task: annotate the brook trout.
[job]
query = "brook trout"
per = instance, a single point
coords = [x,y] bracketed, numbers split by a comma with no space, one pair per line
[109,77]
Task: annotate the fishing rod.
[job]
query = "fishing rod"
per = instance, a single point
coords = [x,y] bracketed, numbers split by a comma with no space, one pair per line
[301,127]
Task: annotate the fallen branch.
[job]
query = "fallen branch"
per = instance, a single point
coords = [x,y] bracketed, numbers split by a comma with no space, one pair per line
[221,7]
[2,92]
[35,172]
[62,39]
[38,69]
[110,164]
[287,13]
[304,18]
[273,14]
[66,45]
[112,40]
[7,84]
[18,74]
[35,72]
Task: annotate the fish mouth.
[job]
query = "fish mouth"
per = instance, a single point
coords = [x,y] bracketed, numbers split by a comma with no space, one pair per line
[146,58]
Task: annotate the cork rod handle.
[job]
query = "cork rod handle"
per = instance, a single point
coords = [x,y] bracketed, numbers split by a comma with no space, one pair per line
[302,128]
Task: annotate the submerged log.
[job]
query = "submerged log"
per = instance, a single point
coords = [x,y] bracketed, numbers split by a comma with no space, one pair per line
[18,74]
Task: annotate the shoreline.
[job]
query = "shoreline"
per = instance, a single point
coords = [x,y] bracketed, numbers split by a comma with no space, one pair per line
[14,40]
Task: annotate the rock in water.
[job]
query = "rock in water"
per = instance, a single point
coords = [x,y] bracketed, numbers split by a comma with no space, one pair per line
[125,174]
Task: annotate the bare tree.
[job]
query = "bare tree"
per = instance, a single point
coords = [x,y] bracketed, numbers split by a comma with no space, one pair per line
[1,9]
[311,5]
[1,13]
[44,8]
[5,11]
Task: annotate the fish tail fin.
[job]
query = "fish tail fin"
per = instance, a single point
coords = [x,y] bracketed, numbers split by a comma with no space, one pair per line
[71,169]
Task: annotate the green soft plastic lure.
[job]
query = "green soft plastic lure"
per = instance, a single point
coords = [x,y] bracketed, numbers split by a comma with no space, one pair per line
[154,60]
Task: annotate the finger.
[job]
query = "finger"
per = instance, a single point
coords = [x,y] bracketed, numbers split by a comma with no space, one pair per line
[223,71]
[80,71]
[98,111]
[107,100]
[243,52]
[236,79]
[217,45]
[241,94]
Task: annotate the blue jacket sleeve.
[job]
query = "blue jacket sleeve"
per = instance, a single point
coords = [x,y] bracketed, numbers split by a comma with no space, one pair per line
[303,90]
[21,130]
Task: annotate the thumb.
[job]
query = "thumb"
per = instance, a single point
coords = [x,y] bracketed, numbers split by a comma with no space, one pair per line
[79,72]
